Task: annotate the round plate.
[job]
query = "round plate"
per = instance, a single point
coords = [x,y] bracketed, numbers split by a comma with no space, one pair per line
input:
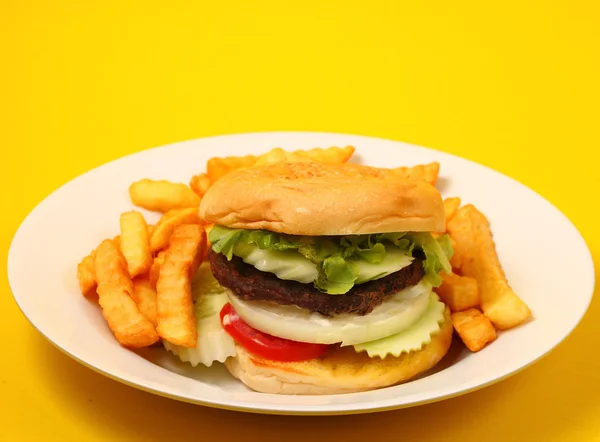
[68,224]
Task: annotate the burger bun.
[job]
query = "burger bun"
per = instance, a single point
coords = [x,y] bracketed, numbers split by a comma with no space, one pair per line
[316,199]
[339,370]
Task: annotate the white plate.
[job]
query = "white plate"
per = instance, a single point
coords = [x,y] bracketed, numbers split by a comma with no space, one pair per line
[534,240]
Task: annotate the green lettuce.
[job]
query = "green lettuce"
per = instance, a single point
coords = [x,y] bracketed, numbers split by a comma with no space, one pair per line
[438,253]
[336,256]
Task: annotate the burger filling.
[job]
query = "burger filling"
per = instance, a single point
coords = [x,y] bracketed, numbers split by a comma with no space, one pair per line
[333,264]
[361,290]
[249,283]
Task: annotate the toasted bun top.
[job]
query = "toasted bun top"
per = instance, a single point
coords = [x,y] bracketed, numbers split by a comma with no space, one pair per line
[340,370]
[323,199]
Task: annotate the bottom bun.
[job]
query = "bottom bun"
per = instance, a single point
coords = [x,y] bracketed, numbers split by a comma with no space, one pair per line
[340,370]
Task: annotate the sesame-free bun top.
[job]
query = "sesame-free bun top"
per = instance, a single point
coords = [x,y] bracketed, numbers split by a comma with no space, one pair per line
[323,199]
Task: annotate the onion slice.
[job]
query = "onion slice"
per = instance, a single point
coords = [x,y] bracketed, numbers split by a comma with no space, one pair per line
[398,312]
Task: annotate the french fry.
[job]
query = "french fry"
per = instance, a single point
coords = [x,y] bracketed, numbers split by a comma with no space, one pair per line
[135,243]
[276,155]
[155,269]
[86,275]
[475,330]
[129,325]
[218,167]
[456,260]
[201,254]
[428,172]
[458,292]
[167,224]
[474,242]
[144,295]
[176,321]
[162,196]
[451,205]
[200,184]
[319,155]
[329,155]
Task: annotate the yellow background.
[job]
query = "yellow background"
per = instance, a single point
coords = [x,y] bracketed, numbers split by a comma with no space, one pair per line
[513,86]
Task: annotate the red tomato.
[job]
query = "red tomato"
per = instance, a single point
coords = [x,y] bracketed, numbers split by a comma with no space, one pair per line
[267,346]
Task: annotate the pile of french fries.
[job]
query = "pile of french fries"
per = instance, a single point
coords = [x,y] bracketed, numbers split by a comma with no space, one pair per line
[477,291]
[142,277]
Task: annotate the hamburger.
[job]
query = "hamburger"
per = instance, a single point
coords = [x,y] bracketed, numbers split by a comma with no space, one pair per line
[329,271]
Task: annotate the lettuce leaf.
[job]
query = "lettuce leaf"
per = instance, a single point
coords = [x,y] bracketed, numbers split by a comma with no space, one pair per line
[436,258]
[410,339]
[336,275]
[335,256]
[226,239]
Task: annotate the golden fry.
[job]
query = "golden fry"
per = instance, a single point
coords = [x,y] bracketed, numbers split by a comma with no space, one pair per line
[129,325]
[144,295]
[135,243]
[87,276]
[276,155]
[155,269]
[475,245]
[167,224]
[451,205]
[218,167]
[162,196]
[428,172]
[176,321]
[201,253]
[319,155]
[475,330]
[200,184]
[458,292]
[328,155]
[456,260]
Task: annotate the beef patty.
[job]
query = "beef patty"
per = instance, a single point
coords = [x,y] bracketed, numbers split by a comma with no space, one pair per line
[249,283]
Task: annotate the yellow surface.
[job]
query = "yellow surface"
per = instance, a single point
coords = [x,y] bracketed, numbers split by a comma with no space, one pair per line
[514,86]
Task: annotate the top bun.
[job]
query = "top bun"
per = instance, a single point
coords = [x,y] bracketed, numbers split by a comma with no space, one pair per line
[323,199]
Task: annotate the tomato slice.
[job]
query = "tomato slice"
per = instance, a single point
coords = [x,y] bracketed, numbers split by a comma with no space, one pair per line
[267,346]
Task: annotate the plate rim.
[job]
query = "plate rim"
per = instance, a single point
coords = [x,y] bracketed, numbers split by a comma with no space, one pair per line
[301,409]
